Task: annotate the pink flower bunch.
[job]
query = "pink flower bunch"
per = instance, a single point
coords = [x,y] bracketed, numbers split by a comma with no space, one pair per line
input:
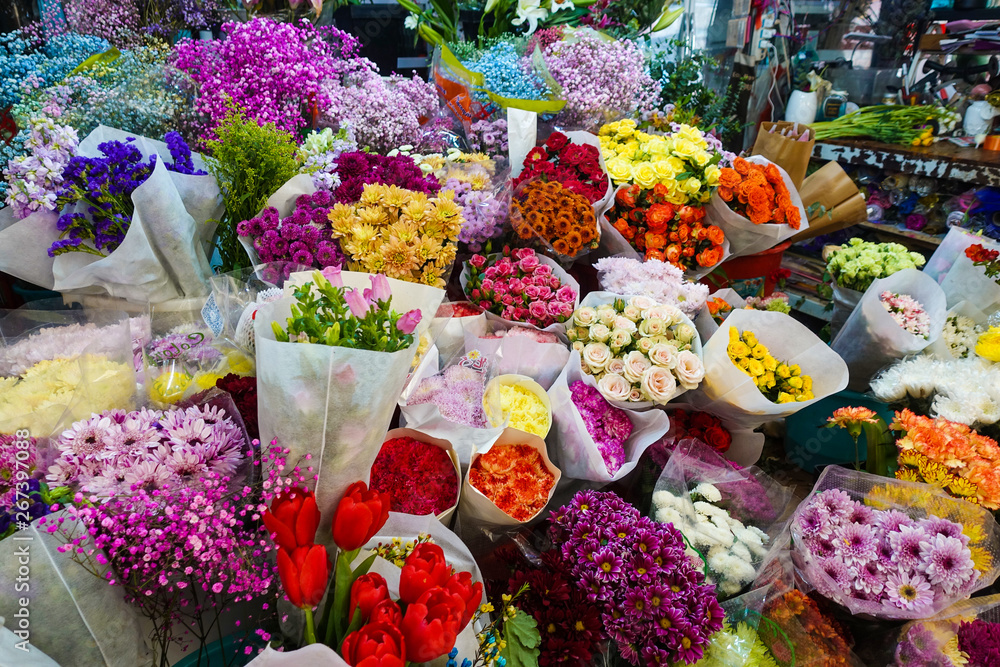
[607,425]
[458,394]
[15,454]
[274,71]
[517,286]
[523,332]
[907,312]
[304,237]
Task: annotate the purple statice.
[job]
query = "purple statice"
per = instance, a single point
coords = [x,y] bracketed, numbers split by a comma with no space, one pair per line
[458,394]
[305,237]
[895,567]
[607,425]
[292,66]
[624,563]
[358,169]
[113,451]
[35,180]
[601,79]
[180,152]
[483,211]
[980,641]
[489,137]
[118,21]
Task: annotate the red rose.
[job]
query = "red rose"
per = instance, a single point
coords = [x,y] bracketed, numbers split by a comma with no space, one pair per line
[293,518]
[304,574]
[431,624]
[367,592]
[375,645]
[359,516]
[425,568]
[703,420]
[718,438]
[557,141]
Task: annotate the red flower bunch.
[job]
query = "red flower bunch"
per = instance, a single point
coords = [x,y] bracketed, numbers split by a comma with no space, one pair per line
[243,391]
[700,426]
[576,166]
[418,477]
[665,231]
[515,478]
[438,601]
[987,259]
[302,565]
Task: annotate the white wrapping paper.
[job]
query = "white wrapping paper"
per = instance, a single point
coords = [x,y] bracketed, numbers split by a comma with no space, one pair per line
[522,133]
[573,447]
[871,339]
[515,380]
[960,279]
[705,323]
[165,254]
[746,238]
[845,300]
[939,348]
[730,394]
[515,354]
[284,201]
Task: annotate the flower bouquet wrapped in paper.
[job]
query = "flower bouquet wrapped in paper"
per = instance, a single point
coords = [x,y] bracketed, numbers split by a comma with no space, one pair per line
[132,222]
[520,350]
[897,316]
[957,273]
[420,473]
[891,549]
[761,366]
[331,363]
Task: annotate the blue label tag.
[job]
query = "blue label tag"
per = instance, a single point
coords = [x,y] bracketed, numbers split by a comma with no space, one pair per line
[212,316]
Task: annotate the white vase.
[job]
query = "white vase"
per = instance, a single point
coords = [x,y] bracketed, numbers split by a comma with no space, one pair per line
[801,107]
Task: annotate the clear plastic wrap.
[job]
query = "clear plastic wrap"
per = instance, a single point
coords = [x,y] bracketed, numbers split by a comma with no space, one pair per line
[937,639]
[845,300]
[871,338]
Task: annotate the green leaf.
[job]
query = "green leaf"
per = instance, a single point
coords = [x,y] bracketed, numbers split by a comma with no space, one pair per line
[523,640]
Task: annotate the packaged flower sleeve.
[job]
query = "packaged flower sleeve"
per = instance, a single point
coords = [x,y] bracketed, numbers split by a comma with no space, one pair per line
[76,618]
[397,433]
[165,252]
[732,395]
[705,323]
[519,350]
[334,403]
[845,300]
[509,482]
[728,516]
[964,630]
[872,337]
[889,549]
[963,324]
[788,145]
[236,297]
[625,434]
[744,236]
[452,321]
[960,279]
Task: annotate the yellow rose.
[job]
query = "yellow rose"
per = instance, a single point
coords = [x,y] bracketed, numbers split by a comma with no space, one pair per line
[657,146]
[619,170]
[712,175]
[756,368]
[677,164]
[644,174]
[692,186]
[701,158]
[684,148]
[610,128]
[664,170]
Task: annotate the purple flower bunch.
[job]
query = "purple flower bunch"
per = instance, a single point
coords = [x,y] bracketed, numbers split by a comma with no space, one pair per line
[748,498]
[289,64]
[901,566]
[608,426]
[15,454]
[490,137]
[457,393]
[653,602]
[118,21]
[119,451]
[980,641]
[304,237]
[34,180]
[180,153]
[601,79]
[483,211]
[358,169]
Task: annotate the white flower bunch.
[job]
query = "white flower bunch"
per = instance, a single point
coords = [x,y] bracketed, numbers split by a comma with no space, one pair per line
[731,549]
[960,333]
[661,281]
[966,391]
[317,156]
[638,350]
[858,263]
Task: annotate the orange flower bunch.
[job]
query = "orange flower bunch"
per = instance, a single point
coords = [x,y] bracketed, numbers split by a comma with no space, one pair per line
[758,193]
[555,214]
[664,231]
[951,450]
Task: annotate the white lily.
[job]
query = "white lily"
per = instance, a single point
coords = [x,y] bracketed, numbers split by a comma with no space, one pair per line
[530,11]
[490,6]
[410,23]
[559,5]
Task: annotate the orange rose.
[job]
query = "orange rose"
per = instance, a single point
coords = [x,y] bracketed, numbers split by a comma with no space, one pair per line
[783,200]
[757,177]
[716,235]
[725,193]
[658,216]
[654,254]
[729,178]
[772,174]
[684,233]
[758,216]
[655,241]
[639,241]
[778,215]
[741,166]
[709,256]
[687,214]
[688,251]
[757,198]
[673,253]
[660,190]
[626,196]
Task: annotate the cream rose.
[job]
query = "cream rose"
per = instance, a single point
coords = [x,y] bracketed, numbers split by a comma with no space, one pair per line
[616,366]
[606,315]
[685,333]
[645,344]
[578,346]
[600,333]
[635,395]
[669,314]
[664,355]
[658,385]
[636,363]
[652,326]
[631,312]
[625,324]
[690,371]
[596,356]
[614,387]
[642,303]
[619,339]
[585,316]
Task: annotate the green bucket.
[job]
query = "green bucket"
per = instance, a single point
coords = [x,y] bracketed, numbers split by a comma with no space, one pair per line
[809,446]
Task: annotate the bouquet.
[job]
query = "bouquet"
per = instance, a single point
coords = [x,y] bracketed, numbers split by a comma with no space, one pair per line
[856,265]
[519,350]
[607,425]
[515,478]
[777,381]
[664,231]
[814,633]
[965,265]
[964,634]
[557,217]
[950,456]
[907,313]
[402,233]
[960,334]
[457,393]
[520,286]
[660,281]
[892,549]
[637,350]
[305,237]
[654,623]
[483,203]
[575,166]
[419,474]
[319,154]
[683,162]
[522,404]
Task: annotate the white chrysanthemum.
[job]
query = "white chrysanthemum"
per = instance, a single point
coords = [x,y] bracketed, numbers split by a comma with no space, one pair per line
[708,492]
[669,515]
[709,510]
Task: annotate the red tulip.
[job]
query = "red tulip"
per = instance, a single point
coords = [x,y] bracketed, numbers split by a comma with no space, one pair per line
[375,645]
[461,584]
[304,574]
[359,516]
[425,568]
[431,625]
[293,518]
[387,611]
[366,592]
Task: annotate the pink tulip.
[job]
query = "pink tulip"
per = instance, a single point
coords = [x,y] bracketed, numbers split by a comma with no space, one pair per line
[332,273]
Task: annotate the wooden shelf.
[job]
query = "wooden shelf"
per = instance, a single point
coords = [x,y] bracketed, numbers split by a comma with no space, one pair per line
[894,230]
[942,160]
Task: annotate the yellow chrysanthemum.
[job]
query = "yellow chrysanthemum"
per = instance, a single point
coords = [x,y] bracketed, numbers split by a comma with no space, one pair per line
[908,475]
[372,195]
[962,487]
[933,472]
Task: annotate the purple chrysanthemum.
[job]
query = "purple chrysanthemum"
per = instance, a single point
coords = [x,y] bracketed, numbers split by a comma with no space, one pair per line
[856,544]
[890,520]
[909,592]
[906,546]
[608,565]
[947,563]
[814,522]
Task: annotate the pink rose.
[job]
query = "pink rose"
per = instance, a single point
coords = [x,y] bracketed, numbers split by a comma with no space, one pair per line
[516,285]
[507,300]
[537,310]
[543,270]
[487,284]
[521,313]
[544,293]
[485,305]
[521,253]
[475,294]
[531,291]
[478,261]
[528,264]
[566,294]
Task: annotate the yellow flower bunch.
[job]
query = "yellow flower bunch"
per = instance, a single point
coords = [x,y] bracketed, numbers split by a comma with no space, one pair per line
[172,385]
[403,234]
[988,345]
[777,381]
[524,410]
[915,467]
[38,398]
[682,161]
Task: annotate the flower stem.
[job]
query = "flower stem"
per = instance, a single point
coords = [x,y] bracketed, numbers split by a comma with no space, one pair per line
[310,627]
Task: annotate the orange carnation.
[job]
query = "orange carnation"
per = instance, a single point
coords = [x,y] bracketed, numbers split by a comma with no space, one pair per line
[793,216]
[757,198]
